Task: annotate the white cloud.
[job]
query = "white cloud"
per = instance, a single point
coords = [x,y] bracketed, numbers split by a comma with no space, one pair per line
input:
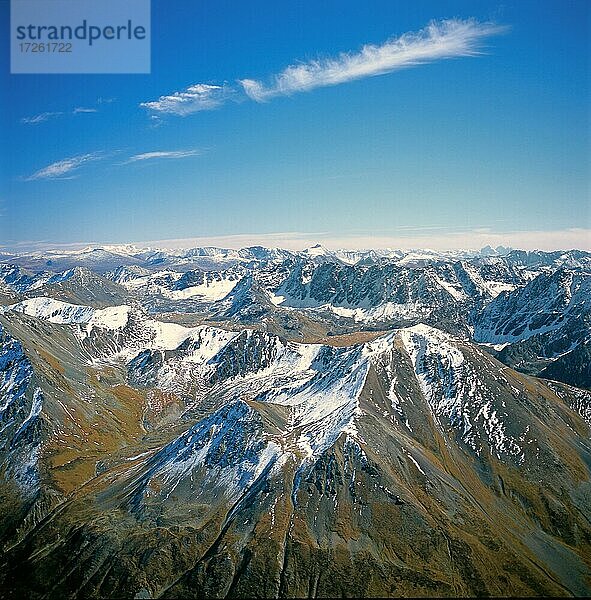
[40,118]
[195,98]
[62,169]
[82,109]
[66,168]
[439,40]
[163,154]
[46,116]
[563,239]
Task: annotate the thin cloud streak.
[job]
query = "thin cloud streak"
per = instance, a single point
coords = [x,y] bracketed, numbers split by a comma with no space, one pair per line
[82,109]
[162,155]
[62,169]
[439,40]
[67,167]
[195,98]
[41,118]
[49,115]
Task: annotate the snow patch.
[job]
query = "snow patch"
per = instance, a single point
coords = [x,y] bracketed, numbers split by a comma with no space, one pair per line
[54,311]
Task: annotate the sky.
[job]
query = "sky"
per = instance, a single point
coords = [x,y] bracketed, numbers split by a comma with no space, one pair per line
[440,124]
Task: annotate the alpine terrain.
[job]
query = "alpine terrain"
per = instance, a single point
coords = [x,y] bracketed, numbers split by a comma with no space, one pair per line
[268,423]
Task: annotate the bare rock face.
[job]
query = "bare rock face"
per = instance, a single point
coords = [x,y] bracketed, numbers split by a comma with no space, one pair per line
[209,454]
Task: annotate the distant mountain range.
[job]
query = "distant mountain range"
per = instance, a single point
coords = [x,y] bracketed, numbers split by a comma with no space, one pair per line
[270,423]
[528,308]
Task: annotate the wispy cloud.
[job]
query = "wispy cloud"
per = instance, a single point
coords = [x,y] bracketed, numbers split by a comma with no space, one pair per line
[63,169]
[439,40]
[41,117]
[451,38]
[161,154]
[67,167]
[195,98]
[47,116]
[82,109]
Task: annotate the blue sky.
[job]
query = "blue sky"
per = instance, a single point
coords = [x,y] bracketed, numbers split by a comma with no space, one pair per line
[473,132]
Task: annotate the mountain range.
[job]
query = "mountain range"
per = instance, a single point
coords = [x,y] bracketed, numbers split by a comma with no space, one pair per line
[272,423]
